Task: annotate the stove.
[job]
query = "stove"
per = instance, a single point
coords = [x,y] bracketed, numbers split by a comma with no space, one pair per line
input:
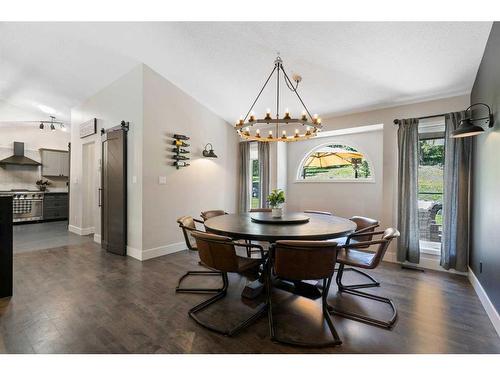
[27,205]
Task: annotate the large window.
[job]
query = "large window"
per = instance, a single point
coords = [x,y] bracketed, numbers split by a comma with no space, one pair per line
[335,162]
[431,184]
[254,176]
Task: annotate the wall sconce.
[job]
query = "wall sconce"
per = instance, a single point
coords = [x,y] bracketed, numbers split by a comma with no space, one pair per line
[467,128]
[209,152]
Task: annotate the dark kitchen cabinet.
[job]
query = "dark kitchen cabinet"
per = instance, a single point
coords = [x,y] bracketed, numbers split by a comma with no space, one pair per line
[55,206]
[6,265]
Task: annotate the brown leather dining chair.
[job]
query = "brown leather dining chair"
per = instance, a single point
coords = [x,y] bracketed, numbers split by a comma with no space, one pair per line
[205,215]
[364,225]
[219,253]
[297,261]
[188,227]
[260,210]
[318,212]
[356,255]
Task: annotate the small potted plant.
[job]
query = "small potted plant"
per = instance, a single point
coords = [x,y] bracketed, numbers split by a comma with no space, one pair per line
[276,199]
[42,185]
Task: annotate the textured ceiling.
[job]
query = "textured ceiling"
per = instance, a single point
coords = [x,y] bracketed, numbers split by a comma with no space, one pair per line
[346,66]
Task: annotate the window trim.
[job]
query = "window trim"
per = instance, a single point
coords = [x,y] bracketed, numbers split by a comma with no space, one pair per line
[369,180]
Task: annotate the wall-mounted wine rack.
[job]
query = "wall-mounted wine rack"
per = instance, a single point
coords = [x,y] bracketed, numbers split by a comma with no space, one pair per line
[180,150]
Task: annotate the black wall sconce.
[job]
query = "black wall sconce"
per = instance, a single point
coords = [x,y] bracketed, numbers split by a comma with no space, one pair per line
[209,152]
[467,128]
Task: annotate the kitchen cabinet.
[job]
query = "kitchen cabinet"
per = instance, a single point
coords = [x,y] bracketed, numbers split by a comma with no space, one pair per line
[55,163]
[55,206]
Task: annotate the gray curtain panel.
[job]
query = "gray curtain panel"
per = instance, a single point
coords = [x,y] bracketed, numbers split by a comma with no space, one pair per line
[263,148]
[457,164]
[244,178]
[408,243]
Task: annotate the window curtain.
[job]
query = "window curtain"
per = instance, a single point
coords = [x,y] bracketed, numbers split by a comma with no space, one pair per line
[457,162]
[263,149]
[244,178]
[408,242]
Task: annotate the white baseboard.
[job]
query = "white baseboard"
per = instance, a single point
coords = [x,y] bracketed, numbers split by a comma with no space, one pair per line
[97,238]
[485,301]
[156,251]
[81,231]
[134,253]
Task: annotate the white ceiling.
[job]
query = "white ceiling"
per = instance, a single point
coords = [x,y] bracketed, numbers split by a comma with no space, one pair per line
[346,66]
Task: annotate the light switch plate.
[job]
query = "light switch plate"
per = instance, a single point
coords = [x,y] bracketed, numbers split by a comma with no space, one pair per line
[162,180]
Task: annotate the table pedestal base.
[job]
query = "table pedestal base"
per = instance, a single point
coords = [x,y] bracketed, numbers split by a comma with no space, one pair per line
[300,288]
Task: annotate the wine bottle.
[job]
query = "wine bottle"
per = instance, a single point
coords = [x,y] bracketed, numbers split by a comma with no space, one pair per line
[180,150]
[180,157]
[181,136]
[180,164]
[179,143]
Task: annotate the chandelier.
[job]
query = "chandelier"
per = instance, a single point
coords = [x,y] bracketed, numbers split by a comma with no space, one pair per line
[251,128]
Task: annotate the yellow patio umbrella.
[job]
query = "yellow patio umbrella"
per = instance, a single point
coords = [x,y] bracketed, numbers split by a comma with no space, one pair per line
[330,157]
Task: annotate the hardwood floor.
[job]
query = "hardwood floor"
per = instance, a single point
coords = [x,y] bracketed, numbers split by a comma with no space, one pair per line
[79,299]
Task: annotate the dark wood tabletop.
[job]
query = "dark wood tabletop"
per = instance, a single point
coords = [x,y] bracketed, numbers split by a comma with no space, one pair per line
[241,226]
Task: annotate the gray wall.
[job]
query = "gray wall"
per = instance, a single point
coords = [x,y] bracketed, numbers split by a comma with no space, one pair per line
[485,242]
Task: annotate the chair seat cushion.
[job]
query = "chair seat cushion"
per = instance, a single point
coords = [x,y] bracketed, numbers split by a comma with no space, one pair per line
[355,258]
[245,264]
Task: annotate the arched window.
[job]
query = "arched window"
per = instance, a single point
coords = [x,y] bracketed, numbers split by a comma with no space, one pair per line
[335,162]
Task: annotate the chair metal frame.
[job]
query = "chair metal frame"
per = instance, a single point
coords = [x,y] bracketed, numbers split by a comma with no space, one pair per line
[348,289]
[221,294]
[324,307]
[178,288]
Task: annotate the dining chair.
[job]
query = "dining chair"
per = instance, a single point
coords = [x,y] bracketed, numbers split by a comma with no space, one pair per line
[297,261]
[205,215]
[188,227]
[318,212]
[219,253]
[261,210]
[366,226]
[355,255]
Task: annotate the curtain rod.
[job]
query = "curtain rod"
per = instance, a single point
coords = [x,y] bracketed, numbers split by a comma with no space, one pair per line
[396,121]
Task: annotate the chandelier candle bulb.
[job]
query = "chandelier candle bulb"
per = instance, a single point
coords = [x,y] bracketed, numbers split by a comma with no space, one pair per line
[257,133]
[296,133]
[304,116]
[270,136]
[283,134]
[268,114]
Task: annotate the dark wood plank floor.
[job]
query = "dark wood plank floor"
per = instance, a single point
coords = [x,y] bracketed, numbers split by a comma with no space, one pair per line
[78,299]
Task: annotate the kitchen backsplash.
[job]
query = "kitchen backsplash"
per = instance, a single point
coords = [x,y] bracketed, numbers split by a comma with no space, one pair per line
[25,177]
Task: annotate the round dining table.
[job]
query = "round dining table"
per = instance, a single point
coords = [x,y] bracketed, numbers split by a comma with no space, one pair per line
[315,227]
[318,227]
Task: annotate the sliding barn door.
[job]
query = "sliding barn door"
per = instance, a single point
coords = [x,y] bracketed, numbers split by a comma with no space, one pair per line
[114,191]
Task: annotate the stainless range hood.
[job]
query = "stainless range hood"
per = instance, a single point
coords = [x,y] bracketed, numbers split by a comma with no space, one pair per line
[18,158]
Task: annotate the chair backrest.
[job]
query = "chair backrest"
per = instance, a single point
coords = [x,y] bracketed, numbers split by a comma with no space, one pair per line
[366,225]
[188,226]
[318,212]
[305,260]
[205,215]
[216,252]
[388,235]
[260,210]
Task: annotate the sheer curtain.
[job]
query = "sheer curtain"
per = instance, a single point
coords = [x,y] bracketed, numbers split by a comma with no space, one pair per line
[244,178]
[263,148]
[457,161]
[408,242]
